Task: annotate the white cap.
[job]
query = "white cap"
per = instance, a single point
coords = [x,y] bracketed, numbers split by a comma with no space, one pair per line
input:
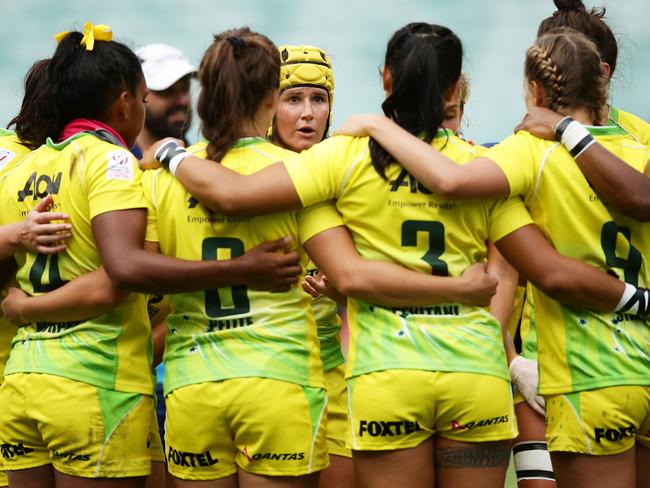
[163,65]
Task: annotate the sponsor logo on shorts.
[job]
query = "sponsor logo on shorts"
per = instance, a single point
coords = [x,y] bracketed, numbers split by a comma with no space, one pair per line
[9,451]
[387,428]
[502,419]
[190,459]
[71,456]
[273,456]
[613,435]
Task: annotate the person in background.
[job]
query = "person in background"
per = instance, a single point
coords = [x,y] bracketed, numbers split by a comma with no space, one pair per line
[168,73]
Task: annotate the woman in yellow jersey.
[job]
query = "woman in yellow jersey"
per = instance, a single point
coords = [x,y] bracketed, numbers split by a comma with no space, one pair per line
[417,375]
[302,119]
[91,419]
[590,446]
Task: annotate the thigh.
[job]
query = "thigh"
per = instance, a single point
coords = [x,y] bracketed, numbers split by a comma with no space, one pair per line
[279,428]
[198,440]
[231,481]
[531,457]
[41,477]
[339,474]
[412,467]
[642,466]
[390,410]
[67,481]
[475,464]
[250,480]
[587,471]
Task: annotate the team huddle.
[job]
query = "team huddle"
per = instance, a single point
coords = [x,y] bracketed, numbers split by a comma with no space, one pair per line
[496,297]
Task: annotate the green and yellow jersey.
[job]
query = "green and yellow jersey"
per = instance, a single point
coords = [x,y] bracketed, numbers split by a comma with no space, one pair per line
[397,219]
[579,349]
[87,177]
[234,332]
[636,127]
[328,324]
[11,152]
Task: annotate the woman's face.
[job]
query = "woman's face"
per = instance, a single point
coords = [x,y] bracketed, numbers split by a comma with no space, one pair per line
[301,117]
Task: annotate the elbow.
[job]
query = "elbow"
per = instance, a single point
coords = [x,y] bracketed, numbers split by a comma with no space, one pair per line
[448,188]
[124,274]
[351,285]
[555,283]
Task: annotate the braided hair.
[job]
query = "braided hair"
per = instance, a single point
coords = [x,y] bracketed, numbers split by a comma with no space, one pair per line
[567,66]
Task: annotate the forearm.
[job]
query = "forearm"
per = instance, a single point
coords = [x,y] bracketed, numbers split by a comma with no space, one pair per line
[501,305]
[616,182]
[8,270]
[223,190]
[10,239]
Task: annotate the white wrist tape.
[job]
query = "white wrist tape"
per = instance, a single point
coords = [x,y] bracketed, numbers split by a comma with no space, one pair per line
[635,301]
[170,155]
[574,136]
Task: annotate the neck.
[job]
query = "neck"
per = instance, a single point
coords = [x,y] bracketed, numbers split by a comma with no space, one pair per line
[253,128]
[582,115]
[145,139]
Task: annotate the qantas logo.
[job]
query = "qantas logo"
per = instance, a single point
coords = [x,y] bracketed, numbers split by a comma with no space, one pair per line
[455,425]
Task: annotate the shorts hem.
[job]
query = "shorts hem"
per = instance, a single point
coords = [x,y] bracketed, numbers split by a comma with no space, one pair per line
[112,473]
[339,451]
[203,477]
[577,450]
[15,467]
[289,472]
[490,438]
[392,447]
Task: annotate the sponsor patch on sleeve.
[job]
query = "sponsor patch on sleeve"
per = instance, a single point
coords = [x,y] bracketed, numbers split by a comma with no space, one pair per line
[5,156]
[120,166]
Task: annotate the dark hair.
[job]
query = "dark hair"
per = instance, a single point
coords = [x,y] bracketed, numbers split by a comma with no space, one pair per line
[424,60]
[33,124]
[574,14]
[567,65]
[84,83]
[237,71]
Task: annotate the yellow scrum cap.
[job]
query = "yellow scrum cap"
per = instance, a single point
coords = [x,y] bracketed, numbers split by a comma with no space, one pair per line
[306,66]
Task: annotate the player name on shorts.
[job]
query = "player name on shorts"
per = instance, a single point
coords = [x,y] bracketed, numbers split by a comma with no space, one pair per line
[613,435]
[388,428]
[12,450]
[228,324]
[433,310]
[190,459]
[56,327]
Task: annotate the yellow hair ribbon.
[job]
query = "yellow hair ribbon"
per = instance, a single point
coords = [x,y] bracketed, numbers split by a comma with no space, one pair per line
[91,33]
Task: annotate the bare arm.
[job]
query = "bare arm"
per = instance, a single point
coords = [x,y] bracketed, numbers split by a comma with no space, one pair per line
[269,190]
[389,284]
[616,182]
[479,179]
[87,296]
[120,236]
[566,280]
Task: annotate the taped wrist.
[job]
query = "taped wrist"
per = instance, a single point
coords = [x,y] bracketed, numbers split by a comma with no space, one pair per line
[574,136]
[170,155]
[635,301]
[532,461]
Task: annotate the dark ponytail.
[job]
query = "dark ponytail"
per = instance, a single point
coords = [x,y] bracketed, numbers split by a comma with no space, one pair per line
[238,70]
[424,61]
[36,120]
[85,83]
[591,23]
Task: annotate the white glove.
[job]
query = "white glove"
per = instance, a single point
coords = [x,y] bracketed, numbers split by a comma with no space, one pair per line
[525,377]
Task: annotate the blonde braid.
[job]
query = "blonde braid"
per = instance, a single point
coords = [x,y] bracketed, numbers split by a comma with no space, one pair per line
[549,74]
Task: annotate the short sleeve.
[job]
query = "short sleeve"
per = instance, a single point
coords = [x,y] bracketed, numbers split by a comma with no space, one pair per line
[515,157]
[317,218]
[507,216]
[113,181]
[317,173]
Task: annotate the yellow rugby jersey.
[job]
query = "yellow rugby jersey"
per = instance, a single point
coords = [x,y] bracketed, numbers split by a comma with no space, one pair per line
[399,220]
[328,324]
[234,332]
[87,177]
[636,127]
[11,151]
[579,349]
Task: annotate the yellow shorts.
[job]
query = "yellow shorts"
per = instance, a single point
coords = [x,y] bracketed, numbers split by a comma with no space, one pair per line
[401,408]
[3,476]
[598,422]
[337,411]
[80,429]
[264,426]
[154,441]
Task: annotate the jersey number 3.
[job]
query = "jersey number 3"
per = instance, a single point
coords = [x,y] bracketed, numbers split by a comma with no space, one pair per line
[436,234]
